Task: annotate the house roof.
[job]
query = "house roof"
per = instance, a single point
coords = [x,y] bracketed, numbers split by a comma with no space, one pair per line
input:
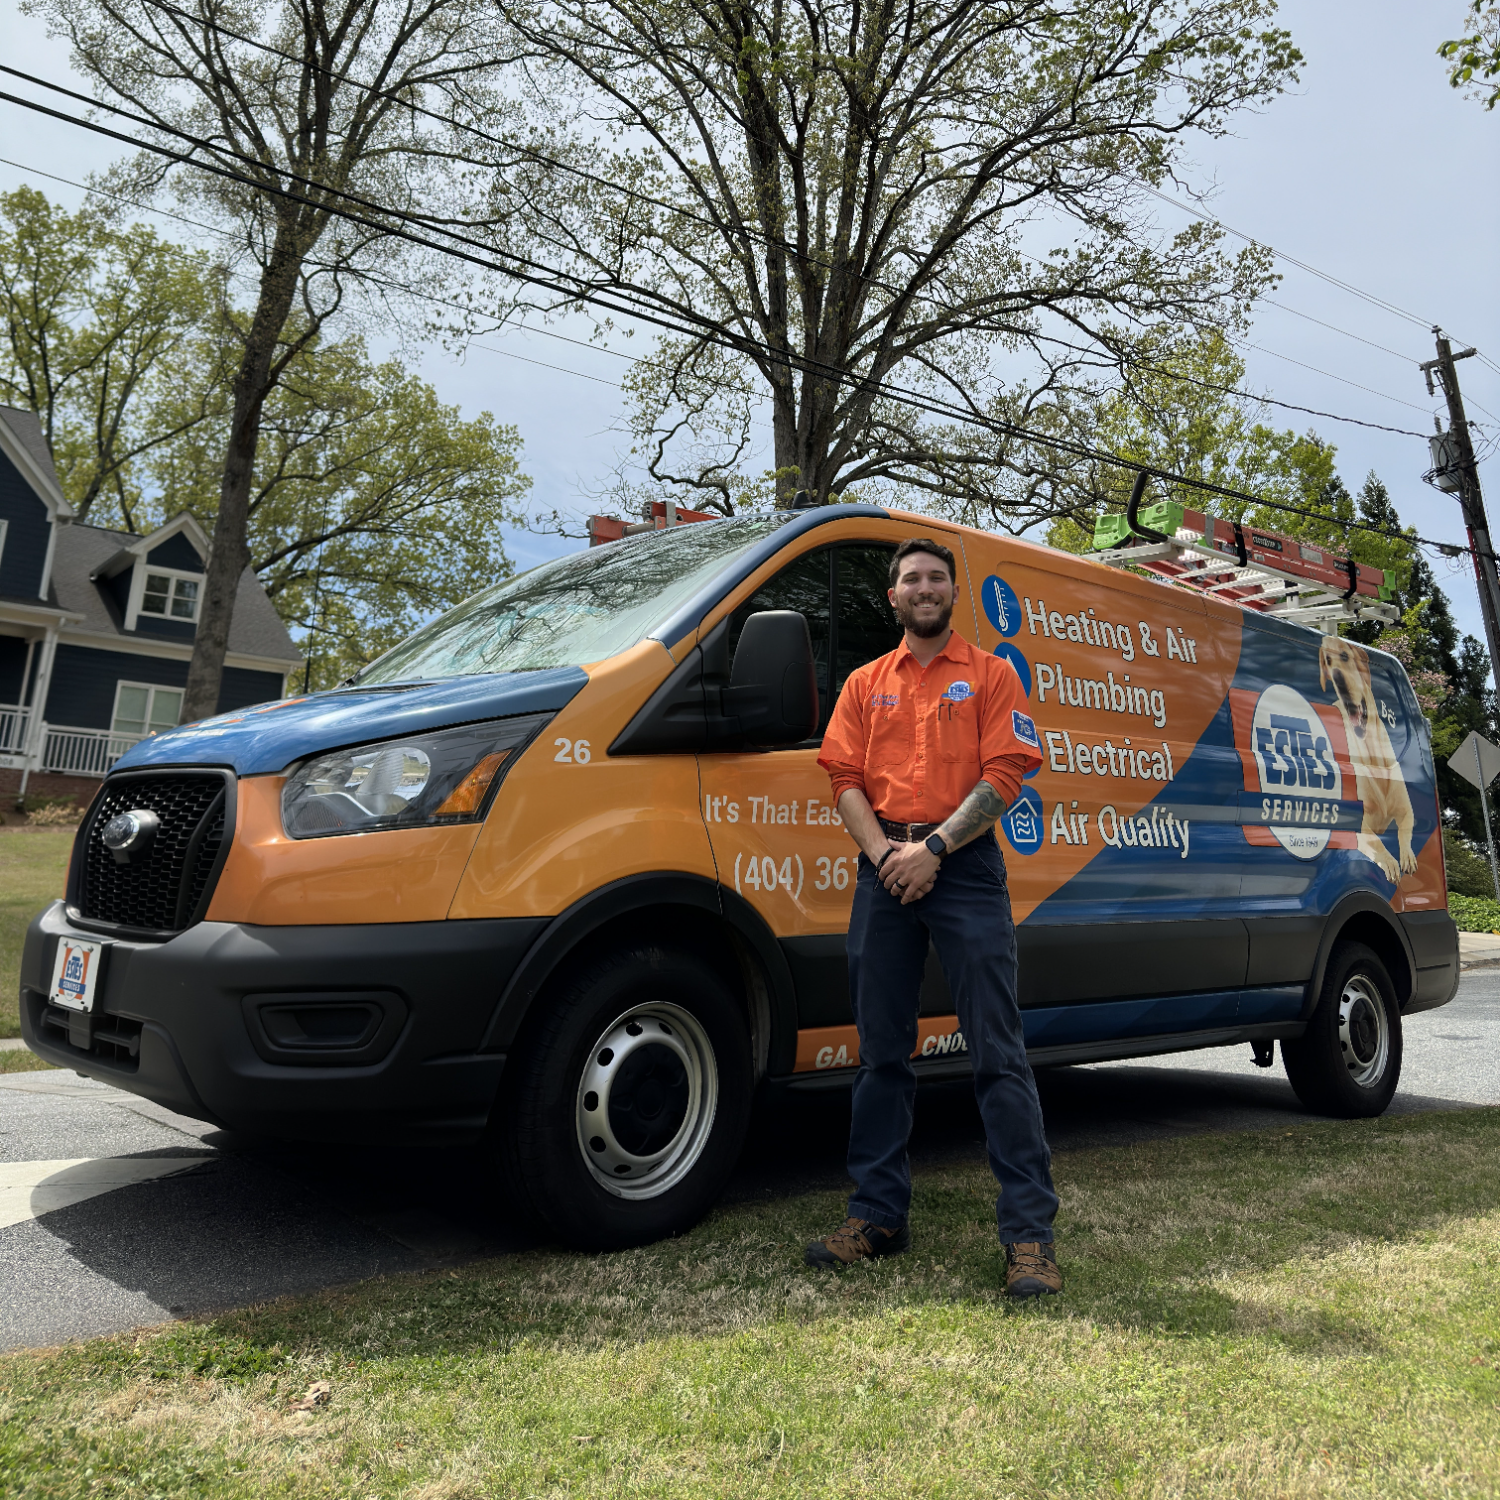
[24,428]
[142,546]
[82,551]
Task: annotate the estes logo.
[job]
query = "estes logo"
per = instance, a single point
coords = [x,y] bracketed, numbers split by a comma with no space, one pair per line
[1293,753]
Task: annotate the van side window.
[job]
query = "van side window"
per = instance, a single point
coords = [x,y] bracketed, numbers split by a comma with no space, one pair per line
[859,627]
[866,623]
[805,586]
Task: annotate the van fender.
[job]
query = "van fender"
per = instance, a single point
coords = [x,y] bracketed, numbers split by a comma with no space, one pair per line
[1364,917]
[767,979]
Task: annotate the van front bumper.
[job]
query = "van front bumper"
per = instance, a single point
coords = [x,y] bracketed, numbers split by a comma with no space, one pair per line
[348,1033]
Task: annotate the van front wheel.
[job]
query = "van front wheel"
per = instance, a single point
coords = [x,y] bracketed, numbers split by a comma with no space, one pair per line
[630,1100]
[1348,1061]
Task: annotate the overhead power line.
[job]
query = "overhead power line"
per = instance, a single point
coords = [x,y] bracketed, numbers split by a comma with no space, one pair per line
[1291,260]
[1102,354]
[739,229]
[556,282]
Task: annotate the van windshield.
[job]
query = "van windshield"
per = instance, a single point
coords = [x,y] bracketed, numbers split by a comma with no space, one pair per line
[576,609]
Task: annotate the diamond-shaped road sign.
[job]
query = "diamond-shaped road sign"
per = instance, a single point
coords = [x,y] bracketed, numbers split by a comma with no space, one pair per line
[1476,760]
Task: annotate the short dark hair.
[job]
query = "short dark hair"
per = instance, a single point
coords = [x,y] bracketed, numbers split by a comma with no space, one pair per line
[920,544]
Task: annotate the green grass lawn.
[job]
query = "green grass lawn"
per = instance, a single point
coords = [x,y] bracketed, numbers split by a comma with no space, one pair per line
[33,869]
[1309,1312]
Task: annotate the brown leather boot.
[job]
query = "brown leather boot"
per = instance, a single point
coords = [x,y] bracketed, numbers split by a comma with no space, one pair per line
[857,1239]
[1031,1270]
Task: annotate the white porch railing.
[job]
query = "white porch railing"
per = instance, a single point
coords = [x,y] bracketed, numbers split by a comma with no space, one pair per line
[13,722]
[82,752]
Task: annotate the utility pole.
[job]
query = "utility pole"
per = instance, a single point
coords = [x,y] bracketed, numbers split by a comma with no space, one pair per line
[1457,473]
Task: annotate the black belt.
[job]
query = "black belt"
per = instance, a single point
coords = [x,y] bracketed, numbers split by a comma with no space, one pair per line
[908,833]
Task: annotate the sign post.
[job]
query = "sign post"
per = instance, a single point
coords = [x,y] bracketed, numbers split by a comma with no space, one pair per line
[1477,760]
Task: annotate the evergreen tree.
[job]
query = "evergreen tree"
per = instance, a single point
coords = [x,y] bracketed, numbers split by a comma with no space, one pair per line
[1429,643]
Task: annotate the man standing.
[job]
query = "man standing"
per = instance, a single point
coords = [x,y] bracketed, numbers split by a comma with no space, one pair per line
[926,749]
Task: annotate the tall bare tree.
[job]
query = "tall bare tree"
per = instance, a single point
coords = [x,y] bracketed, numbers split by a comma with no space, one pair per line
[831,196]
[301,101]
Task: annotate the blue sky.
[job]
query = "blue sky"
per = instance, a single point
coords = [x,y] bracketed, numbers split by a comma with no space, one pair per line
[1373,171]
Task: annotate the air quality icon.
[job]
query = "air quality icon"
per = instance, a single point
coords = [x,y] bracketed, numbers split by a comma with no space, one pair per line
[1023,822]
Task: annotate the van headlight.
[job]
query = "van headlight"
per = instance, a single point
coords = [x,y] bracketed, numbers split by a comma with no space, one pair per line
[415,782]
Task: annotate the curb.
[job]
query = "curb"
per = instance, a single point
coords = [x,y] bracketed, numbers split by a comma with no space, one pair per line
[12,1044]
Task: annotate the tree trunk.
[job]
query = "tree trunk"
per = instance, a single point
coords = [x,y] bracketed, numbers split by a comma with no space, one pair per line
[231,549]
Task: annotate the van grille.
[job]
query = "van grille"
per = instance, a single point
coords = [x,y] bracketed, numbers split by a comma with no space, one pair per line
[169,886]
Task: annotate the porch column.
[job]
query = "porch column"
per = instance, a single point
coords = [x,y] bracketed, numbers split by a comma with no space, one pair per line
[36,742]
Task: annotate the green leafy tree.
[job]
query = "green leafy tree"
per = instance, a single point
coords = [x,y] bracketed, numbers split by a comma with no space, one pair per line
[292,106]
[375,506]
[1475,59]
[1184,413]
[101,320]
[832,195]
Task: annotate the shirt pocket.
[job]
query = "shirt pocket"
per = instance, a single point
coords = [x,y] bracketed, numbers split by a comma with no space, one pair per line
[890,739]
[958,731]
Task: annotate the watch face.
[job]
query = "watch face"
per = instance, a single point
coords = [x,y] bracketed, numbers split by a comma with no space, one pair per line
[936,845]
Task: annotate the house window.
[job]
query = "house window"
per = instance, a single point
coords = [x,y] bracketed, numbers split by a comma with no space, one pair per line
[141,709]
[167,594]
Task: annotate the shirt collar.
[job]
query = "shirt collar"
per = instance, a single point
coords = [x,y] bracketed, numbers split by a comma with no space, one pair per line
[956,649]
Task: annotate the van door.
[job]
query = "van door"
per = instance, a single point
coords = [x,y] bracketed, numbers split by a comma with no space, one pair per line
[777,839]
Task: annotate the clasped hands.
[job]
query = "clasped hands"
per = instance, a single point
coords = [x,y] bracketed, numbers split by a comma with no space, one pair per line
[909,871]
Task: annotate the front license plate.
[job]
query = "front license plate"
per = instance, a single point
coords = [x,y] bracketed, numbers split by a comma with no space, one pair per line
[75,976]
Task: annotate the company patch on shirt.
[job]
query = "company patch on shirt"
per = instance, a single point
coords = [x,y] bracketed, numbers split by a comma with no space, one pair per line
[1024,729]
[956,692]
[885,700]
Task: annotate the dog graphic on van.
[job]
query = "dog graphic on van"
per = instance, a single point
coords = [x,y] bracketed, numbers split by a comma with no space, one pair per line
[1377,773]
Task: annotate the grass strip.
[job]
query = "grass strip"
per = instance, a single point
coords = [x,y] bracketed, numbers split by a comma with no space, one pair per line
[33,870]
[19,1060]
[1299,1313]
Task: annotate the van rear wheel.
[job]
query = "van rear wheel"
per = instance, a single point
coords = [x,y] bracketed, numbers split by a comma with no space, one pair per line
[631,1099]
[1348,1061]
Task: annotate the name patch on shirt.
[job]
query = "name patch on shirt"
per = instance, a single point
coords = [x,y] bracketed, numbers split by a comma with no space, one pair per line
[956,692]
[1024,729]
[885,700]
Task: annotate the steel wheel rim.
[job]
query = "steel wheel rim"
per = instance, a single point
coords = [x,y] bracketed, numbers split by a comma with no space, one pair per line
[1364,1031]
[630,1150]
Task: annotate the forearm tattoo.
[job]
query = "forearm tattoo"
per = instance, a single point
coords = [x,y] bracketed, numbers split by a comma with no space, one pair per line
[976,814]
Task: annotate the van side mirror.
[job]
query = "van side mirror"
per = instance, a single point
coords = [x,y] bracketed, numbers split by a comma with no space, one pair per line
[767,697]
[773,684]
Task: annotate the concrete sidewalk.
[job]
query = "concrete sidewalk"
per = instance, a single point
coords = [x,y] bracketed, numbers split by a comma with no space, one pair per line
[1478,950]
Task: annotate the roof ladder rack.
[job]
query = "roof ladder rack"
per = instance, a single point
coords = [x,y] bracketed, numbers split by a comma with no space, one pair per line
[1264,571]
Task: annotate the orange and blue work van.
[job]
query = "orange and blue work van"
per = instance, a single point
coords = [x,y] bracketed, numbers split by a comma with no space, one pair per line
[561,874]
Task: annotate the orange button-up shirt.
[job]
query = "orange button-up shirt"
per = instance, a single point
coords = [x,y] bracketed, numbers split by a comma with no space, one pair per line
[916,739]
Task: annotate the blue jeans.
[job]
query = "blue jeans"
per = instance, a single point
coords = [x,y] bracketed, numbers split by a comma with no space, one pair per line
[966,916]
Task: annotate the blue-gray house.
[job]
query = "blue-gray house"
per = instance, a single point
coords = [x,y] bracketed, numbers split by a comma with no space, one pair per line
[97,627]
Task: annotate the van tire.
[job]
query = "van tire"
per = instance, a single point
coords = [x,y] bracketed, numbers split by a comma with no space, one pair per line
[638,1076]
[1348,1061]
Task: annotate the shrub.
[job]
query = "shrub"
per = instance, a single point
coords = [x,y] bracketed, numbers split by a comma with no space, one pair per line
[1475,913]
[1468,867]
[51,812]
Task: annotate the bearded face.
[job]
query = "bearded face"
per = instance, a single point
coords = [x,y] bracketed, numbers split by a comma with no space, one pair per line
[924,615]
[923,596]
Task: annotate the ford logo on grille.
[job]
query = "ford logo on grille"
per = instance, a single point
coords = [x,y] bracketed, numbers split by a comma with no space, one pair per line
[129,833]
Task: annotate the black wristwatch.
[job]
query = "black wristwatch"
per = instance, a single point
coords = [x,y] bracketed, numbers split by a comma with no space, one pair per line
[936,845]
